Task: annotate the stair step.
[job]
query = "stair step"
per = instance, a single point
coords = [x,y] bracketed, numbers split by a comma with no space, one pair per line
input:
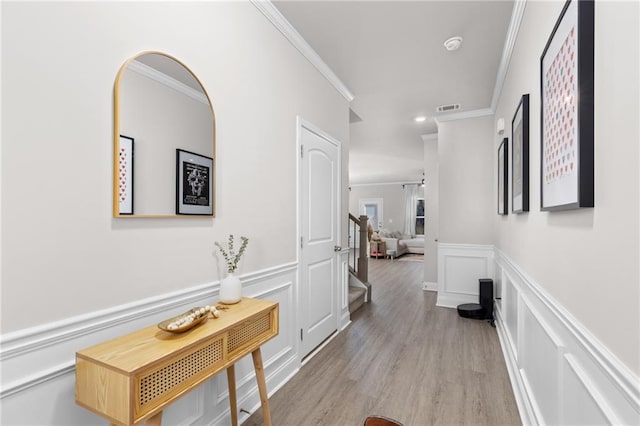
[355,293]
[356,298]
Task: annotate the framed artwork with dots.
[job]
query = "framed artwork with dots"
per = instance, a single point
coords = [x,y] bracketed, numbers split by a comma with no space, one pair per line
[567,113]
[125,175]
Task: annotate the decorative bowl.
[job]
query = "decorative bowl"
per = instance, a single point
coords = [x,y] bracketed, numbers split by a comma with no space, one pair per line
[200,318]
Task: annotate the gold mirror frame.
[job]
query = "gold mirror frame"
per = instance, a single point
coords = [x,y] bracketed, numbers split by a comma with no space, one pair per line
[116,142]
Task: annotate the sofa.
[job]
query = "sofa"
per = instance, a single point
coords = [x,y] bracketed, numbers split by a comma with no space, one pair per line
[398,244]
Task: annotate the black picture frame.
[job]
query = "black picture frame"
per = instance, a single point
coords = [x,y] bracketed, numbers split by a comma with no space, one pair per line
[125,175]
[194,184]
[520,157]
[567,110]
[503,177]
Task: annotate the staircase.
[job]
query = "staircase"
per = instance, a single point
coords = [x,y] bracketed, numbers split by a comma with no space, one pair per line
[359,287]
[357,293]
[356,298]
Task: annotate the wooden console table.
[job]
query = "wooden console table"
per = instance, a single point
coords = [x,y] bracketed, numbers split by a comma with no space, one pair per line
[130,379]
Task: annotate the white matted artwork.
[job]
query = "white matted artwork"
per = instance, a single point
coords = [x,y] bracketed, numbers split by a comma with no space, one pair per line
[125,175]
[566,79]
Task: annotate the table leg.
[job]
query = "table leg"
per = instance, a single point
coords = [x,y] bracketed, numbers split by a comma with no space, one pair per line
[262,386]
[155,420]
[231,380]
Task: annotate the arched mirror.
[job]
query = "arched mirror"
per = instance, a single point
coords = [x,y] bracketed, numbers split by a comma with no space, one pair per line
[164,140]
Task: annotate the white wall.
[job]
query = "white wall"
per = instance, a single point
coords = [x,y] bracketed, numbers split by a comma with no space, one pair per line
[465,175]
[432,209]
[60,242]
[393,202]
[586,259]
[85,276]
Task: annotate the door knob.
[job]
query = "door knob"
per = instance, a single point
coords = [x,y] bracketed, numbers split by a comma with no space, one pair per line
[337,248]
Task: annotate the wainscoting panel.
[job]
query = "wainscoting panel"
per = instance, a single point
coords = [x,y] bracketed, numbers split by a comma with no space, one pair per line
[561,374]
[582,407]
[511,301]
[541,354]
[460,266]
[38,364]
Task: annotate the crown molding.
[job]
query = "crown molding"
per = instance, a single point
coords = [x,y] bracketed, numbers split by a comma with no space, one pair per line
[280,22]
[507,51]
[510,41]
[165,80]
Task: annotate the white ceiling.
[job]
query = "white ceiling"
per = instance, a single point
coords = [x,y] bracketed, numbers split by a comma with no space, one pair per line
[390,55]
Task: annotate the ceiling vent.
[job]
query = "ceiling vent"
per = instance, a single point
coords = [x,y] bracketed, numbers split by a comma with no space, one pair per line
[448,108]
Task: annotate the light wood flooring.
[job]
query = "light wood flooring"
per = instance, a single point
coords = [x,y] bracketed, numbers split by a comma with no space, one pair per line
[404,358]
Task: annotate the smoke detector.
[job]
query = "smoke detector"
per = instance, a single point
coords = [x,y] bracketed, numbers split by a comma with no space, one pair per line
[453,43]
[448,108]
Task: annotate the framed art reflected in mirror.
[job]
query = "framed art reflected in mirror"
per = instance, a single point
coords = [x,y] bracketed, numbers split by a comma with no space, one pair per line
[125,175]
[194,187]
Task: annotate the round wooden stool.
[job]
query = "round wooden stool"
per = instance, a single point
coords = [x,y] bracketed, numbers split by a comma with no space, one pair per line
[380,421]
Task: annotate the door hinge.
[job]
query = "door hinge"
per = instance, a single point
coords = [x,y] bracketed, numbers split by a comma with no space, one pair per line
[301,151]
[301,242]
[301,335]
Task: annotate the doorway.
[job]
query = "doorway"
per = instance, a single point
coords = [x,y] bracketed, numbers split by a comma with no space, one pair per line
[374,209]
[319,177]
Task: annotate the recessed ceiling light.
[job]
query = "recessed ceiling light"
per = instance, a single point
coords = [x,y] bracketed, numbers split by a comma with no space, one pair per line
[453,43]
[420,119]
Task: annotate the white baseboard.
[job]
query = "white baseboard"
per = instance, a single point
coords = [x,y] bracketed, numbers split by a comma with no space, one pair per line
[429,286]
[560,372]
[246,413]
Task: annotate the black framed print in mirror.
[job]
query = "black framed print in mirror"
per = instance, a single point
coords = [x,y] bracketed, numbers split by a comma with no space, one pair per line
[520,157]
[503,175]
[566,121]
[194,183]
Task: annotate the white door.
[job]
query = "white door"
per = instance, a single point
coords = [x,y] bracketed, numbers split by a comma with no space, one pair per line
[319,223]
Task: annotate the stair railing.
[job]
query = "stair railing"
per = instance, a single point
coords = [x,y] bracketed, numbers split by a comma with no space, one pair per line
[358,238]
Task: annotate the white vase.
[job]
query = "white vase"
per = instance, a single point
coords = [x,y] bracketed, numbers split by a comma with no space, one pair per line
[230,289]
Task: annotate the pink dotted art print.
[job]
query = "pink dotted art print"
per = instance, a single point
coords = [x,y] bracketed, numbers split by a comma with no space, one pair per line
[560,116]
[566,79]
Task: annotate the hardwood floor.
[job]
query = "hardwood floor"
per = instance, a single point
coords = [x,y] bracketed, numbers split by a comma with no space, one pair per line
[403,358]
